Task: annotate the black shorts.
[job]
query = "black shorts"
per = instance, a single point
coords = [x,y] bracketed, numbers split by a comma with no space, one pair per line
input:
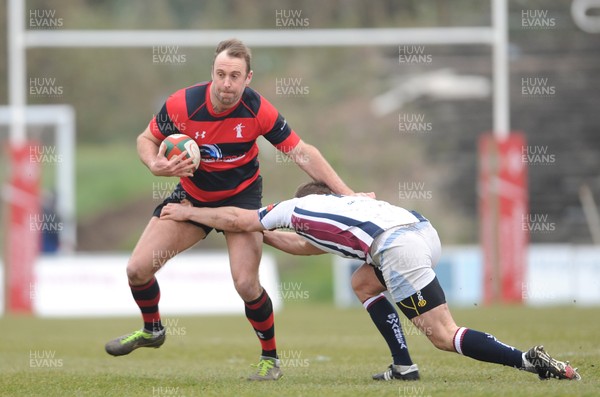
[249,199]
[431,296]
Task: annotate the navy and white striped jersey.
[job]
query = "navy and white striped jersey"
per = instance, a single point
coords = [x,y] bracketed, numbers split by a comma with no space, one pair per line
[341,225]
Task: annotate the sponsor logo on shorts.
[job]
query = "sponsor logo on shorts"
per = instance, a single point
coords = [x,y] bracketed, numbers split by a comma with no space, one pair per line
[422,302]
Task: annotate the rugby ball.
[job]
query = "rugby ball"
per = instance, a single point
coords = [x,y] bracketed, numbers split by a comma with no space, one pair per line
[179,143]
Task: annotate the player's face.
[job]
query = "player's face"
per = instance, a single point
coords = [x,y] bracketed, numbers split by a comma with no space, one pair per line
[229,80]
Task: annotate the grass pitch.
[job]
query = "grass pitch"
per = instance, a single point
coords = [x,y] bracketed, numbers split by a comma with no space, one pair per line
[325,352]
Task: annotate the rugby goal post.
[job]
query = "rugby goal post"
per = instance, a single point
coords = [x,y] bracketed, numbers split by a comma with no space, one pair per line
[23,200]
[61,118]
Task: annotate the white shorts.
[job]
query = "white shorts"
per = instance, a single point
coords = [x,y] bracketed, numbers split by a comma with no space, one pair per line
[406,256]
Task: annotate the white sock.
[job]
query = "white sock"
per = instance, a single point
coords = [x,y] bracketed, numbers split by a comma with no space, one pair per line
[404,368]
[527,366]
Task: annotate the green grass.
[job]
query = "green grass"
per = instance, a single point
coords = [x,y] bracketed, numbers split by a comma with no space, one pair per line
[312,274]
[329,352]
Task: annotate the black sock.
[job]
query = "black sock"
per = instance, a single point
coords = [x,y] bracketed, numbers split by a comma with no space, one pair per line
[485,347]
[386,320]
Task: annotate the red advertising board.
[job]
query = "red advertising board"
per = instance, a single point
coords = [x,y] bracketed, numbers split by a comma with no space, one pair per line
[503,206]
[23,238]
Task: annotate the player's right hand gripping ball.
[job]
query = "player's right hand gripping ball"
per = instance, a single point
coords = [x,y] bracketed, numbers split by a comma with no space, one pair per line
[179,143]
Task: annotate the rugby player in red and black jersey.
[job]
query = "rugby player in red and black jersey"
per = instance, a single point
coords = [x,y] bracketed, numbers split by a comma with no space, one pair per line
[225,117]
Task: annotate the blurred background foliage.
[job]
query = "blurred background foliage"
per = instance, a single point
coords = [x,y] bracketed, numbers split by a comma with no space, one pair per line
[115,93]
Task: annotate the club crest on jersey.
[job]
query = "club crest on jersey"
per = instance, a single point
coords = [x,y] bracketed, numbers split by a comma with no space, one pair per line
[238,130]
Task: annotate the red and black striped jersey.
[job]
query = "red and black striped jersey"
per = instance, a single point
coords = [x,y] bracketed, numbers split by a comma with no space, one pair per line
[227,140]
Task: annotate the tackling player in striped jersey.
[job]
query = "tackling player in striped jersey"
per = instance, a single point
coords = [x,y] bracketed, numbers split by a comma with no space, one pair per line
[400,249]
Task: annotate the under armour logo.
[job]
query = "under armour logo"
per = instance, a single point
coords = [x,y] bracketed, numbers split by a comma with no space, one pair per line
[200,135]
[238,130]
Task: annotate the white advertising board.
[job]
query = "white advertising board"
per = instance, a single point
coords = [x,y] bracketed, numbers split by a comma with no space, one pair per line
[95,285]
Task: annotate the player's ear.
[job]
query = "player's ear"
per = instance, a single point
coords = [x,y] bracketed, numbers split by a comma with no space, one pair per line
[249,77]
[212,71]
